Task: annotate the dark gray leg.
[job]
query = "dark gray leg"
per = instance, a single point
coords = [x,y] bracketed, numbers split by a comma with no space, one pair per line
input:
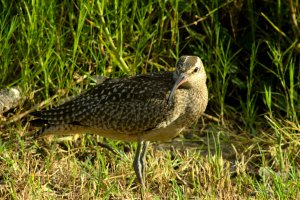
[139,161]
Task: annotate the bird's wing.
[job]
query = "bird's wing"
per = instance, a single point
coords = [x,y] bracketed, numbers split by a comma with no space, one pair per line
[138,103]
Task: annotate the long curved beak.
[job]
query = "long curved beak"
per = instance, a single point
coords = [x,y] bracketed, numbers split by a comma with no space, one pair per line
[181,79]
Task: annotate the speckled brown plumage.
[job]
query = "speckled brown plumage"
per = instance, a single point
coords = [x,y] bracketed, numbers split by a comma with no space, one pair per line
[135,108]
[151,107]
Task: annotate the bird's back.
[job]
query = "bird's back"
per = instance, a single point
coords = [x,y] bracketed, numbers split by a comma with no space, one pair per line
[127,105]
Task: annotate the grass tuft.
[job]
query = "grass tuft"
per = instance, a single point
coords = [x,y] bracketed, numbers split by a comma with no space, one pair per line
[245,147]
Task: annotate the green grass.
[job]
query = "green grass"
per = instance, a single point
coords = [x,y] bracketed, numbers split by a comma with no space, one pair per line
[247,147]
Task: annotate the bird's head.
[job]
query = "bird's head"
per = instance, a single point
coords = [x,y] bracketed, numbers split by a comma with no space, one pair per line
[189,73]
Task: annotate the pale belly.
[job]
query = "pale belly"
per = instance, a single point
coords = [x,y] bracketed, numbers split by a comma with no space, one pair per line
[161,134]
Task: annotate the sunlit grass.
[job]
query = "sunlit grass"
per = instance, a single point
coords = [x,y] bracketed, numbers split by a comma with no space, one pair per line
[246,147]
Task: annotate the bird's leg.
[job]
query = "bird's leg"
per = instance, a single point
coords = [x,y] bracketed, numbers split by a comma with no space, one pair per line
[143,158]
[139,161]
[136,162]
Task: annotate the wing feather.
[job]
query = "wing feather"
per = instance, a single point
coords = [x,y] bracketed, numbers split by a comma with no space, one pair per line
[118,104]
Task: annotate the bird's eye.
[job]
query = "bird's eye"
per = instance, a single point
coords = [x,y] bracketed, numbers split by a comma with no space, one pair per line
[196,69]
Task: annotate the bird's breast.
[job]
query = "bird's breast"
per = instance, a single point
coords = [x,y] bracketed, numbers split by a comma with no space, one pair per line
[189,105]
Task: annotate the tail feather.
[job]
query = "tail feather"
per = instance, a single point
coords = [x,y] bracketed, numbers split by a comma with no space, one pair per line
[36,113]
[59,115]
[39,122]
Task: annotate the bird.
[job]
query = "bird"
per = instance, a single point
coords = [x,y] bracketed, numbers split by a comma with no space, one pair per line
[144,108]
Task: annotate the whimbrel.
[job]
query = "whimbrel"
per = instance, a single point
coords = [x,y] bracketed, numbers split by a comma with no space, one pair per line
[142,108]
